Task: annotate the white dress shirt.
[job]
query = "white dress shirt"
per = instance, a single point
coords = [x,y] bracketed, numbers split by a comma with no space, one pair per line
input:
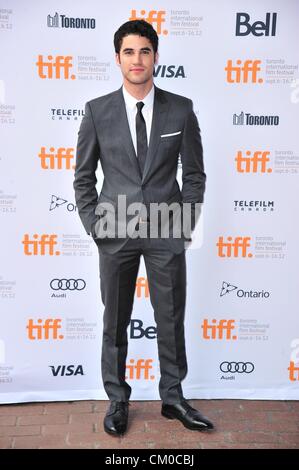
[147,112]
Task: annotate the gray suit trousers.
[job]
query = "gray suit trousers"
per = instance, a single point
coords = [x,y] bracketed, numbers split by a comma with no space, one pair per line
[166,273]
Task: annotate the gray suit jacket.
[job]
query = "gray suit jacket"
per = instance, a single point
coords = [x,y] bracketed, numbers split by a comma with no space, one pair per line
[104,136]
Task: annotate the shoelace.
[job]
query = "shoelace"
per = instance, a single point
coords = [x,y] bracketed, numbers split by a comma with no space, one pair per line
[121,405]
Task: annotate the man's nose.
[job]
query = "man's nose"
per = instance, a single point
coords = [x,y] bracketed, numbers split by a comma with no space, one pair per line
[137,59]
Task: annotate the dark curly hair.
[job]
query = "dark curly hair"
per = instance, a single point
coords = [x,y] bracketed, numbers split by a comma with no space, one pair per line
[139,27]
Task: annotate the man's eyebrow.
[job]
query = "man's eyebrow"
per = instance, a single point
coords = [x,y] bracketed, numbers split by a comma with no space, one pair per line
[142,49]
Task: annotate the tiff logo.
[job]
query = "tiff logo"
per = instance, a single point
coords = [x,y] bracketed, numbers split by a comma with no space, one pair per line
[234,247]
[62,159]
[55,67]
[44,329]
[140,369]
[256,163]
[294,362]
[142,287]
[248,73]
[40,246]
[218,330]
[153,17]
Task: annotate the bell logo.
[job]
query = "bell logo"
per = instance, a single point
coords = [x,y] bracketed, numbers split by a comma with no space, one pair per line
[142,287]
[259,28]
[153,17]
[44,329]
[243,74]
[234,247]
[137,331]
[140,369]
[55,67]
[62,159]
[221,330]
[40,245]
[253,164]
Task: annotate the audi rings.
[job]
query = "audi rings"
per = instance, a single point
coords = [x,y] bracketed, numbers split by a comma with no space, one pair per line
[67,284]
[237,367]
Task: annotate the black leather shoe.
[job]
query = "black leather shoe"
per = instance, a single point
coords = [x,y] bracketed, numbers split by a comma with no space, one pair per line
[191,418]
[116,419]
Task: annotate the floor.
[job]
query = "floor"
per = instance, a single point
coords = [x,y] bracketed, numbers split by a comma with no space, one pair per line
[239,424]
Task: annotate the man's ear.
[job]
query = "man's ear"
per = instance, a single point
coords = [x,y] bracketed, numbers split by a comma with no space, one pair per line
[117,59]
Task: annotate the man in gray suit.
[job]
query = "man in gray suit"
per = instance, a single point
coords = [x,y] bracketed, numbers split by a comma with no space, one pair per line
[138,133]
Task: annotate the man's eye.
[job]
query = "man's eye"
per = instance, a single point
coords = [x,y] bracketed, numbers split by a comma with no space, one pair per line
[145,52]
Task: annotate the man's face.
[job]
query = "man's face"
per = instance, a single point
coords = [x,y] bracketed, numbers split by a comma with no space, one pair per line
[136,59]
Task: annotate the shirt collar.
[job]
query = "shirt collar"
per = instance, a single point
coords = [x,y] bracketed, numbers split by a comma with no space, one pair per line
[130,101]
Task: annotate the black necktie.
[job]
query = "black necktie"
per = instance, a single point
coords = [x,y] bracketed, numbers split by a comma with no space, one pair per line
[141,136]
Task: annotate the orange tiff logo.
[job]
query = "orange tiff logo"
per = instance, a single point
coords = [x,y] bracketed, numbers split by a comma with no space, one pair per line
[246,73]
[257,163]
[153,17]
[293,371]
[142,285]
[140,369]
[62,159]
[40,245]
[44,329]
[58,67]
[234,247]
[218,330]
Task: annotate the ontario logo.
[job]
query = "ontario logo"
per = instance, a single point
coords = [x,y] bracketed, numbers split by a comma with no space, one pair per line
[228,288]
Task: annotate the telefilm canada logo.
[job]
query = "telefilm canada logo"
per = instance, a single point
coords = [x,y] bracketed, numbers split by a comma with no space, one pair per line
[66,114]
[250,205]
[63,21]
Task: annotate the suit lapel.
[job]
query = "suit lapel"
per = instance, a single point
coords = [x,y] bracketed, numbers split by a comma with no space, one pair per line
[160,111]
[122,127]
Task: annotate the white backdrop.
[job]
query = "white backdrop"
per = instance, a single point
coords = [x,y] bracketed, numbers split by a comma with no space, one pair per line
[238,62]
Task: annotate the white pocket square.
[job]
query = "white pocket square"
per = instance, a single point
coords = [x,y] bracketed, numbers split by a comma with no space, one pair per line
[173,133]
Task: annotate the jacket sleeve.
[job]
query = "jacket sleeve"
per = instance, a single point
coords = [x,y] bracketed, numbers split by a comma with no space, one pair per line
[87,156]
[193,175]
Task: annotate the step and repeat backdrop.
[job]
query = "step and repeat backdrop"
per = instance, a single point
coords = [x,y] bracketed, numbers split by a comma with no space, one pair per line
[238,62]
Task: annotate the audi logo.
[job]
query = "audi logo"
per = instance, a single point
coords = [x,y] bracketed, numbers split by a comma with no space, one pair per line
[67,284]
[237,367]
